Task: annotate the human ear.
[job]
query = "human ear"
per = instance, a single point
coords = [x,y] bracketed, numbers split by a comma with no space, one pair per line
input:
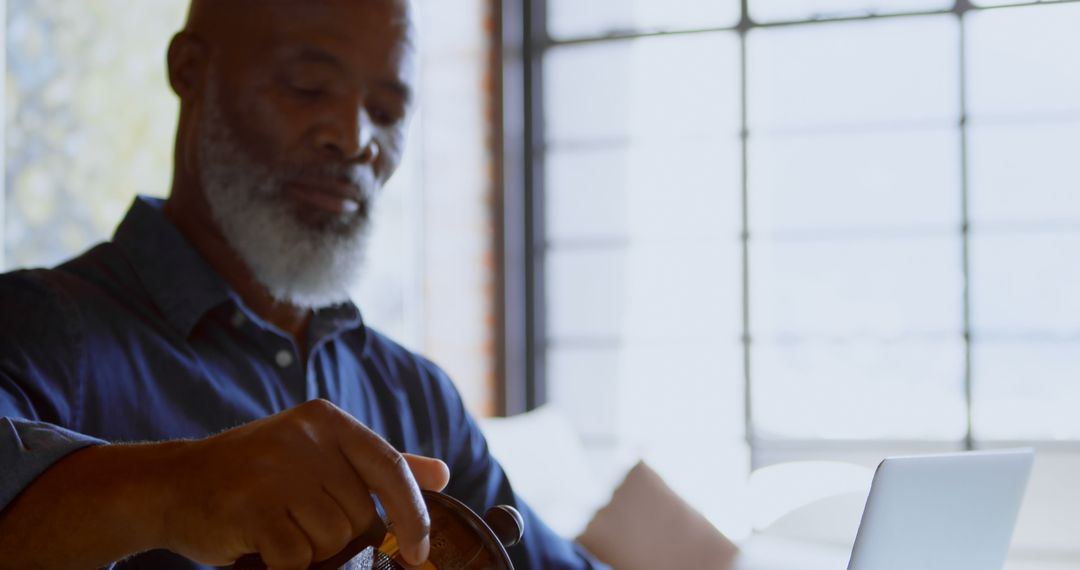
[187,61]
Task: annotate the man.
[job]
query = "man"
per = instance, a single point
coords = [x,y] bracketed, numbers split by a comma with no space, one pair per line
[216,326]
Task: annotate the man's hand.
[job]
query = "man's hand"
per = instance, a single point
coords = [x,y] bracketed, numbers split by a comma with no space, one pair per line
[296,488]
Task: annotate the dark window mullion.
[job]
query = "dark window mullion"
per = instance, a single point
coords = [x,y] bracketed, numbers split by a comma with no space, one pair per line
[536,225]
[744,27]
[522,357]
[962,8]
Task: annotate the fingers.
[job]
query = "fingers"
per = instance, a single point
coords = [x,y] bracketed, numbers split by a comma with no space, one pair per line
[430,474]
[388,475]
[283,545]
[351,494]
[327,528]
[298,487]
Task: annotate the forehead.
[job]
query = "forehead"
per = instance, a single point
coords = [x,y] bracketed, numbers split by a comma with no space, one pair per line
[392,18]
[373,34]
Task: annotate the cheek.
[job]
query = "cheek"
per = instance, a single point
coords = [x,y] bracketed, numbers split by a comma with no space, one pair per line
[392,145]
[275,129]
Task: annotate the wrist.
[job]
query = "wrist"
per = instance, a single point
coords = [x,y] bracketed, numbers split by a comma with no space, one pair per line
[164,489]
[148,488]
[96,505]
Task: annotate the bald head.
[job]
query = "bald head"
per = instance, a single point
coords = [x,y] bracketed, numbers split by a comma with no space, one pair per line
[222,19]
[236,27]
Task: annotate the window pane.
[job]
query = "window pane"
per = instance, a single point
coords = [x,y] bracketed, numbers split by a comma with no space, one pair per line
[869,181]
[643,89]
[646,192]
[666,392]
[581,381]
[1025,284]
[585,193]
[1025,173]
[779,10]
[876,288]
[674,291]
[860,390]
[681,407]
[1011,2]
[678,406]
[586,295]
[574,18]
[1027,390]
[1024,61]
[900,70]
[680,394]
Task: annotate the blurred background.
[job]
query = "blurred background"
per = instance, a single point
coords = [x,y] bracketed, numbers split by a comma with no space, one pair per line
[718,235]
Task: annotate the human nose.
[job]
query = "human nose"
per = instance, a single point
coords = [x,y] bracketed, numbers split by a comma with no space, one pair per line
[348,135]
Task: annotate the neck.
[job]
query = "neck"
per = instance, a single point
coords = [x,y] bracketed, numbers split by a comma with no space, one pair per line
[192,217]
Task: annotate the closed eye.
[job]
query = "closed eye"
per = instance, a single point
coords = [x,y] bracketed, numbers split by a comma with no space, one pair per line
[307,92]
[382,116]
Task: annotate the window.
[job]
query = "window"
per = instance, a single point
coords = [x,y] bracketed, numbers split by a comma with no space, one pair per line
[815,225]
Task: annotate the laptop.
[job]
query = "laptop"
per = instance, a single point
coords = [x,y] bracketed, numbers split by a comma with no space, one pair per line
[942,512]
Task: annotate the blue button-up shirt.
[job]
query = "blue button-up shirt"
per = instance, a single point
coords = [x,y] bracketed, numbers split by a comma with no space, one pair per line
[140,340]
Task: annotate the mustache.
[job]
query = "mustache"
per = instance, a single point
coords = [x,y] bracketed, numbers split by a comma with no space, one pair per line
[360,182]
[331,172]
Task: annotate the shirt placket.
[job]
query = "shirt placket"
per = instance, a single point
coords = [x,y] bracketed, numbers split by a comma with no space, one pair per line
[283,357]
[315,381]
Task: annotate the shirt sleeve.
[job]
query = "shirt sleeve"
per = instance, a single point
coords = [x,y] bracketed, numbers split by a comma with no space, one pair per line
[477,479]
[28,448]
[38,373]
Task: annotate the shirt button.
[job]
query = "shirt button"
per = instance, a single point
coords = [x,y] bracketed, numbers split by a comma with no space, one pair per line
[284,359]
[238,319]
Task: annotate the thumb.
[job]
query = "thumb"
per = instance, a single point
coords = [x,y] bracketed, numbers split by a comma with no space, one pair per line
[430,474]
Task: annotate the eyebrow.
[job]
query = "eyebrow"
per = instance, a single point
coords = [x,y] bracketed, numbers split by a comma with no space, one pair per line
[398,88]
[312,54]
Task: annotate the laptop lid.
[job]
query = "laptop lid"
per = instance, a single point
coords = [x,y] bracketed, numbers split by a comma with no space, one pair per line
[942,512]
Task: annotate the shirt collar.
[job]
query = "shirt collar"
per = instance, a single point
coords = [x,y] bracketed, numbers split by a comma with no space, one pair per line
[184,286]
[177,278]
[331,321]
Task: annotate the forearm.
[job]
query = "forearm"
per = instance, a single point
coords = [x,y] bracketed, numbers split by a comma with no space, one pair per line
[93,507]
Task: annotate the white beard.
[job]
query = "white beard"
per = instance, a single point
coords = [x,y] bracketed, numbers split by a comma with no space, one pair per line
[307,265]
